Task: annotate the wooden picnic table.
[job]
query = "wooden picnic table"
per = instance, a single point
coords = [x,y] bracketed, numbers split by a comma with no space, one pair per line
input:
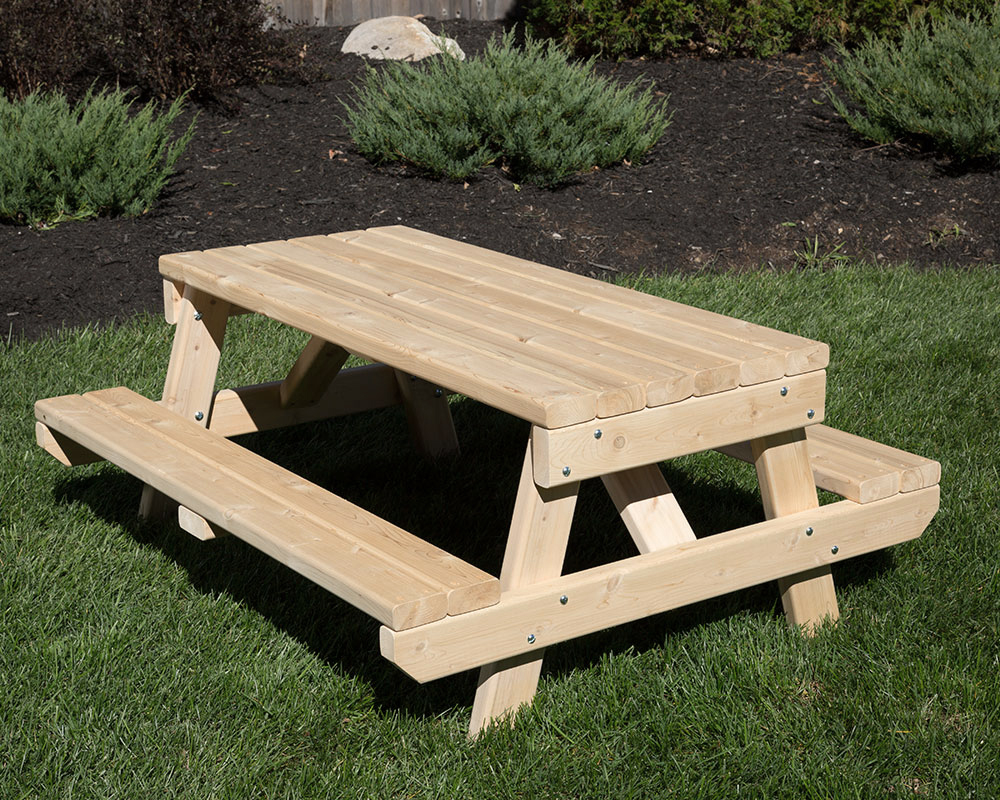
[613,382]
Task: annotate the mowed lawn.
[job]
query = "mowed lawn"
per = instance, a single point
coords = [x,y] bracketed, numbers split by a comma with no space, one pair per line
[138,662]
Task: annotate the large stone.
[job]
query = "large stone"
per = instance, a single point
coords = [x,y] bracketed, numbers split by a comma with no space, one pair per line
[399,39]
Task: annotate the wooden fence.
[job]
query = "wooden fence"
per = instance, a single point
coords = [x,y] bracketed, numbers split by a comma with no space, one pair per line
[351,12]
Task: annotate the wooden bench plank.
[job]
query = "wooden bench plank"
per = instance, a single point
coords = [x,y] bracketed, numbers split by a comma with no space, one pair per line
[546,400]
[801,354]
[915,472]
[856,468]
[396,577]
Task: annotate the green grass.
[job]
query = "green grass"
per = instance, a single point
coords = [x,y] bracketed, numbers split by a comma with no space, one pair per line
[138,662]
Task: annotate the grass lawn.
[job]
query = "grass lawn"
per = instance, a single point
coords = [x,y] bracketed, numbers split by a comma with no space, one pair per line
[136,661]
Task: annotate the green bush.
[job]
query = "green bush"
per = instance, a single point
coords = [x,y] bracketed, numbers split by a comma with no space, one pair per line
[540,117]
[939,87]
[625,28]
[60,162]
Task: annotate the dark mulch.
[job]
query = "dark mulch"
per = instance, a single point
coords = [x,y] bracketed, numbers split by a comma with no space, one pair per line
[754,165]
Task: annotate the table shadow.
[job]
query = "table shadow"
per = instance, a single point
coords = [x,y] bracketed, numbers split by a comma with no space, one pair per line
[444,503]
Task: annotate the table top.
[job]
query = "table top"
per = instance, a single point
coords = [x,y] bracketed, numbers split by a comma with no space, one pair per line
[547,345]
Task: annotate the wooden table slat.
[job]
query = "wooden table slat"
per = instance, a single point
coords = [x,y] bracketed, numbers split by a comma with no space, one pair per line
[617,392]
[547,335]
[545,400]
[538,342]
[584,316]
[802,354]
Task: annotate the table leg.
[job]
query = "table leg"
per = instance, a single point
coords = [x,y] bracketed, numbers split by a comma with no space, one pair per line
[194,363]
[787,486]
[536,547]
[429,416]
[312,373]
[648,507]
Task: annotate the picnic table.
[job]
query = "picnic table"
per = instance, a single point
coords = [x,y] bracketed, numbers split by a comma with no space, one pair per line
[612,381]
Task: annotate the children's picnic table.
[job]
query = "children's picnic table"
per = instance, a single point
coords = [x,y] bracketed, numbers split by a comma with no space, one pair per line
[613,382]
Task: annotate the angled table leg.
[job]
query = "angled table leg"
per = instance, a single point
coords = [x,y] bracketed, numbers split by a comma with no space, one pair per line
[312,373]
[787,486]
[648,507]
[535,550]
[194,363]
[429,415]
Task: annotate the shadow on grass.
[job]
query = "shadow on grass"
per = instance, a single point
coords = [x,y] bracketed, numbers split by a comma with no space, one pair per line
[462,505]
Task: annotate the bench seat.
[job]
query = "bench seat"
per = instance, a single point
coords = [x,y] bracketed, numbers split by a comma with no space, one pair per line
[399,579]
[856,468]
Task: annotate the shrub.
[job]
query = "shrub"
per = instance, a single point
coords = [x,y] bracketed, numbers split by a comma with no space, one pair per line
[622,28]
[540,117]
[939,87]
[39,45]
[207,46]
[163,49]
[60,162]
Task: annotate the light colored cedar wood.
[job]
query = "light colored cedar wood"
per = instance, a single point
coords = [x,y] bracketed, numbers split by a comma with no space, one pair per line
[249,409]
[649,584]
[719,362]
[496,378]
[649,508]
[787,487]
[536,546]
[312,373]
[839,471]
[616,392]
[383,570]
[197,525]
[172,293]
[857,468]
[656,434]
[194,363]
[915,472]
[62,449]
[546,331]
[802,354]
[577,320]
[429,416]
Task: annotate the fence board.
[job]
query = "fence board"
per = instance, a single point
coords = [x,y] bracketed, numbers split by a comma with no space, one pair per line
[351,12]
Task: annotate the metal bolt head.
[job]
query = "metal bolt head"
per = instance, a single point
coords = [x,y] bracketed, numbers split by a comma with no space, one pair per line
[199,415]
[566,471]
[809,531]
[438,392]
[531,638]
[835,549]
[810,413]
[784,390]
[197,315]
[598,433]
[564,599]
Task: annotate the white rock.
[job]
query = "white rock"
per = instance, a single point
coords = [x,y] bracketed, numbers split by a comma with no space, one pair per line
[399,39]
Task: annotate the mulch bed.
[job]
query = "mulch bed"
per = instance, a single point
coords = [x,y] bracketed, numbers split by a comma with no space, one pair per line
[755,167]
